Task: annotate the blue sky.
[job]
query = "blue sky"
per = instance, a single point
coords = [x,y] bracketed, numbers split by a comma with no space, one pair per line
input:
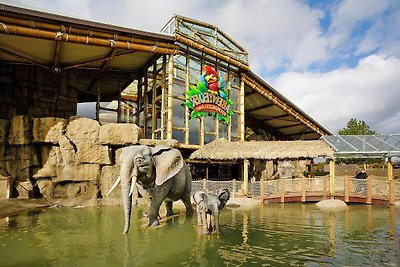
[335,60]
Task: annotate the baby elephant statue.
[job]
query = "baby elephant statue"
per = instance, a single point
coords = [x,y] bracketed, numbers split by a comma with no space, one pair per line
[208,207]
[162,172]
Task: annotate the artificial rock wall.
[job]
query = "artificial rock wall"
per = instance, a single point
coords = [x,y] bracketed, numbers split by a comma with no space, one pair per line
[35,91]
[72,161]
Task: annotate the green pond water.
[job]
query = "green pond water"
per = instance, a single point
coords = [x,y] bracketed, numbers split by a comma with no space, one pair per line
[269,235]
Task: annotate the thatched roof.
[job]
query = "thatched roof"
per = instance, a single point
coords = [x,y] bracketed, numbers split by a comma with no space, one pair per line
[222,149]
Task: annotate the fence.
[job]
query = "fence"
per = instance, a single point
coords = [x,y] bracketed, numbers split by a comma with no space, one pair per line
[310,189]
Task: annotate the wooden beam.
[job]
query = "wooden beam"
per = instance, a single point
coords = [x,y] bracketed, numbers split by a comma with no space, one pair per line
[99,60]
[56,57]
[86,40]
[332,178]
[34,62]
[258,108]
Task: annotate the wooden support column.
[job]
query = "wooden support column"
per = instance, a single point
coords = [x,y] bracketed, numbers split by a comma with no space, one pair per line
[154,102]
[98,101]
[246,177]
[169,96]
[282,188]
[163,96]
[139,101]
[303,188]
[332,178]
[312,170]
[229,131]
[369,190]
[325,187]
[262,186]
[346,189]
[391,181]
[187,84]
[241,110]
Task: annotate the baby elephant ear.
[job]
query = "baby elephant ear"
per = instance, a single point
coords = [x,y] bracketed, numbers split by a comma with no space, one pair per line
[168,163]
[223,196]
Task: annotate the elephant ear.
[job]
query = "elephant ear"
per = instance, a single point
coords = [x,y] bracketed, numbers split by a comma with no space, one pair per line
[223,196]
[168,163]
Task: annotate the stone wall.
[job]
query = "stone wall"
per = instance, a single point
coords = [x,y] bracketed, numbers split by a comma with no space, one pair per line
[35,91]
[72,161]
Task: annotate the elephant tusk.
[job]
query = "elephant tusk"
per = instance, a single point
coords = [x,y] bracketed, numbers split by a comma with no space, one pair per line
[133,184]
[114,185]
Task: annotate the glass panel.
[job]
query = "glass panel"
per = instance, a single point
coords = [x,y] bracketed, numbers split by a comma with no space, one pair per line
[194,125]
[223,130]
[208,124]
[208,138]
[178,135]
[178,113]
[234,96]
[235,125]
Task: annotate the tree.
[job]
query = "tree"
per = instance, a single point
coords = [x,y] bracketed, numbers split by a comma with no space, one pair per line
[356,127]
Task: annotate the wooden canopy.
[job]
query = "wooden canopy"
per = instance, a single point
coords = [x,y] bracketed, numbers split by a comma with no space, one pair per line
[222,149]
[92,51]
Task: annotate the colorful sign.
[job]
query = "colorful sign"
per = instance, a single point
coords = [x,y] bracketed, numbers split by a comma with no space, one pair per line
[209,97]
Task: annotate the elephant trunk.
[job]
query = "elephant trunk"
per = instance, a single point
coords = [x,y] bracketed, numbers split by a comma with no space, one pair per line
[127,186]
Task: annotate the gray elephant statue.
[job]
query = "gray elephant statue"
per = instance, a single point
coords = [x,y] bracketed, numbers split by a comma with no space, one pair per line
[162,172]
[208,207]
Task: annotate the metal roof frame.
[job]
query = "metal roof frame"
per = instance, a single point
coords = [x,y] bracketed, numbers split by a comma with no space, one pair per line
[364,146]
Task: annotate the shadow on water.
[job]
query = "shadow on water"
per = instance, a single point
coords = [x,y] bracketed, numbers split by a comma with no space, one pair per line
[271,235]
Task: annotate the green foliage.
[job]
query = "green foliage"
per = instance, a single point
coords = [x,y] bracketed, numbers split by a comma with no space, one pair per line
[356,127]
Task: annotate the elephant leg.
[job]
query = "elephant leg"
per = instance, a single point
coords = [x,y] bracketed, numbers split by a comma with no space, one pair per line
[160,194]
[188,204]
[204,220]
[168,207]
[199,215]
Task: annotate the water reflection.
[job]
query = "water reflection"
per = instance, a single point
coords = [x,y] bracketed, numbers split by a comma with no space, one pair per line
[269,235]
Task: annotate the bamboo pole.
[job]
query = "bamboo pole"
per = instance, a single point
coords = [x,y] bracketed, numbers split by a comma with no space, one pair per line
[303,188]
[262,186]
[163,96]
[229,131]
[73,38]
[154,101]
[246,177]
[280,103]
[241,110]
[211,52]
[73,30]
[187,84]
[119,109]
[139,100]
[98,92]
[332,178]
[391,192]
[145,103]
[170,95]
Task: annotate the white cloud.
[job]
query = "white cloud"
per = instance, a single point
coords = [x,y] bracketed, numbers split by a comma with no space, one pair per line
[367,92]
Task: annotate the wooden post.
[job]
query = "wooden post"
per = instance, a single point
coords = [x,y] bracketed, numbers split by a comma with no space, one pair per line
[246,176]
[229,131]
[119,108]
[205,187]
[234,188]
[346,189]
[390,168]
[303,188]
[163,98]
[154,104]
[369,190]
[282,189]
[262,187]
[139,101]
[187,85]
[241,110]
[391,192]
[391,181]
[98,101]
[332,178]
[325,187]
[169,96]
[145,102]
[312,171]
